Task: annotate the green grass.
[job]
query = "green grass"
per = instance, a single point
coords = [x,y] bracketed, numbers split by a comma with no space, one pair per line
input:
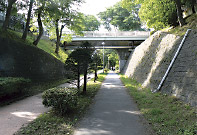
[166,114]
[44,44]
[51,123]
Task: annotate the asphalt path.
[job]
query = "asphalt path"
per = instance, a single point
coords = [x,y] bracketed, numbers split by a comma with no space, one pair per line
[20,113]
[113,112]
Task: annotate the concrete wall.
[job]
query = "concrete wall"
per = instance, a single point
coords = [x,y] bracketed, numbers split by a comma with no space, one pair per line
[18,59]
[150,60]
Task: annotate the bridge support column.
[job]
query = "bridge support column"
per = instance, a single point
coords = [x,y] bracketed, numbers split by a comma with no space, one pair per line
[123,56]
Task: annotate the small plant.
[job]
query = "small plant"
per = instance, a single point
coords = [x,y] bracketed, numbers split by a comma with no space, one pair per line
[62,100]
[12,85]
[106,70]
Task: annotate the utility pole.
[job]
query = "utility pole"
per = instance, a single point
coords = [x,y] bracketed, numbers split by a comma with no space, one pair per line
[103,43]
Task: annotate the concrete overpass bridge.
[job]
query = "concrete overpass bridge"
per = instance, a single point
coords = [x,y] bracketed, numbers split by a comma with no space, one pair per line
[123,42]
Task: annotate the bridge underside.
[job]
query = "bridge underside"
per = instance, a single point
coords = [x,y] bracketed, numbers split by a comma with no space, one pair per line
[113,44]
[123,46]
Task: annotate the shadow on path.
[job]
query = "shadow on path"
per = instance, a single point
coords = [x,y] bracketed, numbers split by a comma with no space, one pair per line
[113,112]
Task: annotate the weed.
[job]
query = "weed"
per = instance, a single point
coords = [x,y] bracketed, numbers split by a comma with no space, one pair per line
[167,114]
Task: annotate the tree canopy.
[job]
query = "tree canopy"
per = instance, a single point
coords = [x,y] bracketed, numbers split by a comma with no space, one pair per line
[90,23]
[121,18]
[159,14]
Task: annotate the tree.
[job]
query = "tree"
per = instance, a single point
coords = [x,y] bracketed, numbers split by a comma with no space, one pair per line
[91,23]
[113,58]
[96,61]
[80,60]
[158,14]
[39,11]
[8,14]
[73,67]
[24,36]
[59,14]
[179,13]
[121,18]
[2,5]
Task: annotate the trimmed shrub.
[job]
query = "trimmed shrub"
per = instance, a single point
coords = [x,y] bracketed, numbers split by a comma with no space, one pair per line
[62,100]
[12,85]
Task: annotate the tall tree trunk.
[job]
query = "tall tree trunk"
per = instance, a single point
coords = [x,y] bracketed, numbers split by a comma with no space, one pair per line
[85,79]
[59,35]
[28,20]
[193,6]
[78,76]
[8,14]
[40,27]
[179,13]
[95,73]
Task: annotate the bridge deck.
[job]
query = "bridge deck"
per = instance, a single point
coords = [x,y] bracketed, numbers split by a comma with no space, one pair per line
[111,40]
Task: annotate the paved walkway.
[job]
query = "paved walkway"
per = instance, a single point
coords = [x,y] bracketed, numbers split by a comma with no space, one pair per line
[113,113]
[14,116]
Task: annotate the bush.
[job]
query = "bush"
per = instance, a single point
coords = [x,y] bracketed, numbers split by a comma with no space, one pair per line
[12,85]
[62,100]
[117,67]
[106,70]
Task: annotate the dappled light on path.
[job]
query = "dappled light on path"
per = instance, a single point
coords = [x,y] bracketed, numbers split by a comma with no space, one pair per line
[27,115]
[113,112]
[85,131]
[16,115]
[131,112]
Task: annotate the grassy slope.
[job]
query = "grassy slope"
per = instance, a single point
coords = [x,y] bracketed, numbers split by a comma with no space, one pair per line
[44,44]
[34,88]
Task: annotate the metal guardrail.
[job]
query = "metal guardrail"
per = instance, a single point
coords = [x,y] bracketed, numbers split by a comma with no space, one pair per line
[113,34]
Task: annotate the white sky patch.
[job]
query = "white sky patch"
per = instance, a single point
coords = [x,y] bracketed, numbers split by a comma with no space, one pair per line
[93,7]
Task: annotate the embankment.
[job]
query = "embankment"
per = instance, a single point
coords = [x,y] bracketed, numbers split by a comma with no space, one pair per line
[149,62]
[21,60]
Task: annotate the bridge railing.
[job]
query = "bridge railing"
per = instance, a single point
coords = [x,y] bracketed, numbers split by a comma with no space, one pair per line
[114,34]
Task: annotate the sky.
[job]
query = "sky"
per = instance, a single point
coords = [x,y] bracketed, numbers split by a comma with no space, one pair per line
[93,7]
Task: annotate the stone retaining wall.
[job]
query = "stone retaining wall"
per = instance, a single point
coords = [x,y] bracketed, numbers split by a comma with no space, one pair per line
[20,60]
[149,62]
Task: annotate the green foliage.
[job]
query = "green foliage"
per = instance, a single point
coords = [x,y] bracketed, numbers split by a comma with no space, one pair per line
[121,18]
[79,60]
[191,24]
[12,85]
[110,56]
[106,70]
[51,123]
[44,44]
[158,14]
[167,115]
[91,23]
[62,100]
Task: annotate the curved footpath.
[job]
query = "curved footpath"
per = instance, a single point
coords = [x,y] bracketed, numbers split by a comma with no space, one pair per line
[14,116]
[20,113]
[113,112]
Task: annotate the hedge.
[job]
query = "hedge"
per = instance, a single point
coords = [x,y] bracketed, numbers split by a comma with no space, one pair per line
[12,85]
